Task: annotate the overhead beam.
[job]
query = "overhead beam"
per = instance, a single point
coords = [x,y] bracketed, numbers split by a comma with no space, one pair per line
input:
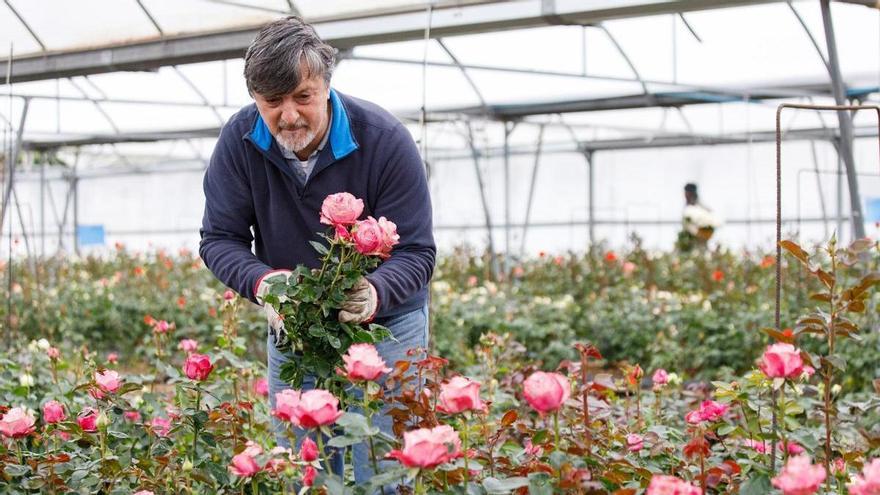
[345,32]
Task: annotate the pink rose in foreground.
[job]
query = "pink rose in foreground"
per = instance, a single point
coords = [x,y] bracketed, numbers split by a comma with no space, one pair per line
[188,346]
[460,394]
[88,419]
[375,237]
[428,447]
[53,412]
[799,477]
[309,409]
[782,361]
[309,474]
[670,485]
[634,442]
[660,377]
[108,380]
[244,465]
[160,426]
[362,362]
[341,209]
[308,450]
[17,422]
[261,387]
[197,367]
[546,392]
[868,482]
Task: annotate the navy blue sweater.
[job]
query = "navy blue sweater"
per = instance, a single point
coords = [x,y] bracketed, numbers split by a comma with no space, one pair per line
[249,185]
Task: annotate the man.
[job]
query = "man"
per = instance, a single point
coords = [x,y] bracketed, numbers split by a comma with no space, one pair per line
[273,165]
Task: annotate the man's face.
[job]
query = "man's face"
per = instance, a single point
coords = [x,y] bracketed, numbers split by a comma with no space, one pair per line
[298,119]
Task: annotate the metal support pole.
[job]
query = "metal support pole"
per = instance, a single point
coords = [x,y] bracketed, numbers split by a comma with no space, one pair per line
[476,157]
[508,128]
[591,196]
[846,130]
[13,157]
[522,247]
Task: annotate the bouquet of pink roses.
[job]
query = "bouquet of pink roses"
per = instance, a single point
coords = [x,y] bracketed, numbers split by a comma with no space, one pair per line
[310,299]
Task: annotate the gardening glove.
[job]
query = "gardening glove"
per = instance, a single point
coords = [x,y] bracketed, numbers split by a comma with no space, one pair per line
[276,323]
[360,303]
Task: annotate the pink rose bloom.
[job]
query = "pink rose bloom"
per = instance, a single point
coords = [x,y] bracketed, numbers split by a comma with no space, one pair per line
[808,371]
[112,358]
[161,326]
[160,426]
[53,353]
[531,449]
[316,408]
[793,448]
[285,402]
[197,367]
[309,475]
[362,362]
[88,419]
[375,237]
[53,412]
[309,409]
[107,380]
[782,361]
[244,465]
[546,392]
[758,446]
[17,422]
[261,387]
[628,267]
[144,492]
[228,295]
[709,411]
[308,450]
[188,346]
[839,467]
[460,394]
[799,477]
[670,485]
[693,417]
[390,237]
[341,209]
[428,447]
[868,482]
[133,416]
[634,442]
[252,448]
[660,377]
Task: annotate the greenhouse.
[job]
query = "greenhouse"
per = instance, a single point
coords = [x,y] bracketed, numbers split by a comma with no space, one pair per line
[442,246]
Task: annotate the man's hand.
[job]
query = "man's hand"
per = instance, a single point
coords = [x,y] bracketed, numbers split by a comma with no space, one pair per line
[276,323]
[360,303]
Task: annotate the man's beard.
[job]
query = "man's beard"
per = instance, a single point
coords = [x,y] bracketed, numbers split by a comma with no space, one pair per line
[296,142]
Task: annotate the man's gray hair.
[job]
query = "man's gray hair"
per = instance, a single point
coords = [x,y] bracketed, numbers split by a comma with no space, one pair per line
[284,53]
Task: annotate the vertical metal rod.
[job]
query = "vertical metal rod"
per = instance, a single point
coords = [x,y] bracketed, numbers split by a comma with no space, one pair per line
[591,197]
[522,246]
[846,131]
[13,157]
[508,128]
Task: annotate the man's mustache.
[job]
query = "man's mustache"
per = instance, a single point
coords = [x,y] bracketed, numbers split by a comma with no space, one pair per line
[300,124]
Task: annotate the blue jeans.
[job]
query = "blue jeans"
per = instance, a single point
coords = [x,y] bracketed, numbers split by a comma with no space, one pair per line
[411,331]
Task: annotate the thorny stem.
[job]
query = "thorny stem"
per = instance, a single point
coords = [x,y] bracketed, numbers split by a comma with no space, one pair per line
[829,370]
[324,456]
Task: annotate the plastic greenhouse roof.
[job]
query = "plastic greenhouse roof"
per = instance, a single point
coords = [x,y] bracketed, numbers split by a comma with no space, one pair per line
[717,57]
